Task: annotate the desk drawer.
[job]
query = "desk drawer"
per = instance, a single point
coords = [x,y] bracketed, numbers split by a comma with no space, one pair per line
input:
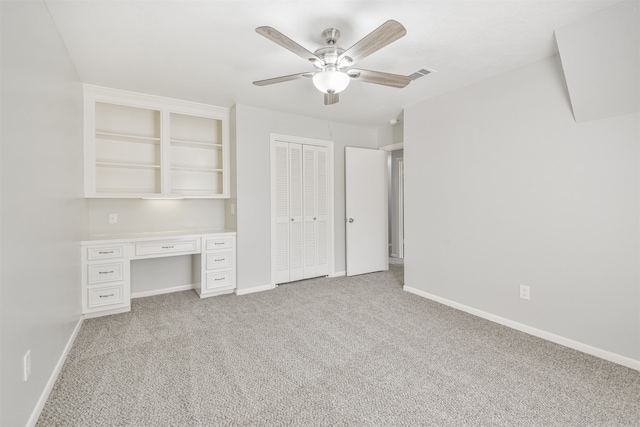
[107,295]
[100,273]
[221,243]
[105,252]
[219,260]
[218,280]
[168,247]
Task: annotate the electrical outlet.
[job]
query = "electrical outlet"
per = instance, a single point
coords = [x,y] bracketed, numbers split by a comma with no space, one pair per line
[113,218]
[524,292]
[26,365]
[233,208]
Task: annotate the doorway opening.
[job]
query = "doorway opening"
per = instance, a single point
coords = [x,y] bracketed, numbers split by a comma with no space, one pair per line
[395,186]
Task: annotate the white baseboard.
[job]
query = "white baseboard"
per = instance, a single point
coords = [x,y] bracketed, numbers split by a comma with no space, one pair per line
[339,274]
[161,291]
[576,345]
[54,376]
[255,289]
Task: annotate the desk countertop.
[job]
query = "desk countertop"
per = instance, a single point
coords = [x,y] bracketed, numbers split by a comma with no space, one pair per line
[96,239]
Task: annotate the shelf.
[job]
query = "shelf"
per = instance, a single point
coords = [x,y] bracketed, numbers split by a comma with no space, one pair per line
[192,169]
[127,165]
[196,144]
[194,192]
[108,190]
[119,137]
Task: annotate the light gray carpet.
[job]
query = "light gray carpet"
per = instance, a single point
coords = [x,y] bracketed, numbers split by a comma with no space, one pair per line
[341,352]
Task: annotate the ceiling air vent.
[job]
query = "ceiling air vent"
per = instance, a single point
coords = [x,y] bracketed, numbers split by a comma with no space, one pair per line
[420,73]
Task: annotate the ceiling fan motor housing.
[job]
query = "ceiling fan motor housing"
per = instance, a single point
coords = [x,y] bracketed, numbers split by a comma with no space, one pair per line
[331,36]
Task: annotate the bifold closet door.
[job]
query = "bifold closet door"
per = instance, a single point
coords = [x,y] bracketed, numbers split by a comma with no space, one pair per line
[301,190]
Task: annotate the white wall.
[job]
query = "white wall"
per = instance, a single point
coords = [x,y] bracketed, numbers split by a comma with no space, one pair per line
[601,61]
[154,215]
[43,212]
[503,187]
[253,128]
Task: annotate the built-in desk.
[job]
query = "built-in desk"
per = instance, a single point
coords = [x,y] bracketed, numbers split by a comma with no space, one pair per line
[106,265]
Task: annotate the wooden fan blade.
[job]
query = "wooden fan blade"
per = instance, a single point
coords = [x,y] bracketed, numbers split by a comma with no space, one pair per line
[331,98]
[284,41]
[385,34]
[281,79]
[380,78]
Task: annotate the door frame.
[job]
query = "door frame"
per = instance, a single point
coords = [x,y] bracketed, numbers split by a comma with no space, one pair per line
[400,212]
[276,137]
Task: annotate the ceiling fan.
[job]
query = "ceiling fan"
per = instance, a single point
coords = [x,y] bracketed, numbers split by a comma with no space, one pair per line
[332,63]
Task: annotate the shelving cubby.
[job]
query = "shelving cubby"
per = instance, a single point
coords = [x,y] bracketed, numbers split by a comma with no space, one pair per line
[146,146]
[197,161]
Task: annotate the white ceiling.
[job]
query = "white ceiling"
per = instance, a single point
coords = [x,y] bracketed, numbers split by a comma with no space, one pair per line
[208,51]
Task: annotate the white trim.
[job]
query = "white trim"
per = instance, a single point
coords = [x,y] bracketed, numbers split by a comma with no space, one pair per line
[54,376]
[255,289]
[330,197]
[576,345]
[400,219]
[392,147]
[161,291]
[101,313]
[116,96]
[392,255]
[338,274]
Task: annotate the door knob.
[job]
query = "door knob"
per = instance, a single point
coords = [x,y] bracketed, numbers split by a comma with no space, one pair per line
[350,219]
[291,219]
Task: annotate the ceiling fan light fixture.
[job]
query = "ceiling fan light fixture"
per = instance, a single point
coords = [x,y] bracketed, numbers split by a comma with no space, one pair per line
[331,81]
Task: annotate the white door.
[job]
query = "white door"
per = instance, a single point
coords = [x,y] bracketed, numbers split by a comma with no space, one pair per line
[400,208]
[315,211]
[300,209]
[366,210]
[280,170]
[296,238]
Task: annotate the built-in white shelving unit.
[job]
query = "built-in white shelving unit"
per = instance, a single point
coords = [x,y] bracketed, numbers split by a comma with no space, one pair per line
[147,146]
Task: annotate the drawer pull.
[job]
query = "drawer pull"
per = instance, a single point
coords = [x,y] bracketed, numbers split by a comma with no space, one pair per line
[219,243]
[219,278]
[106,296]
[167,247]
[105,272]
[221,259]
[105,252]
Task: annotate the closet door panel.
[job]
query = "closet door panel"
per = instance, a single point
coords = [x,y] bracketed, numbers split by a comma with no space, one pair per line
[282,211]
[296,233]
[322,189]
[309,199]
